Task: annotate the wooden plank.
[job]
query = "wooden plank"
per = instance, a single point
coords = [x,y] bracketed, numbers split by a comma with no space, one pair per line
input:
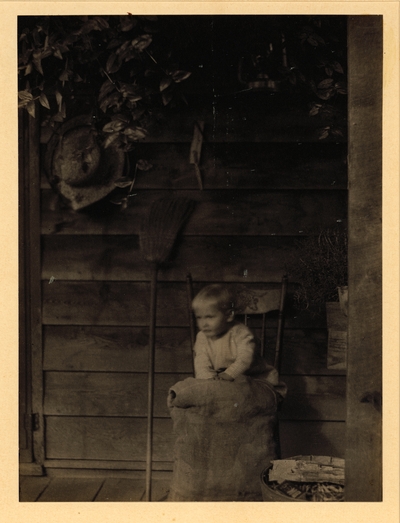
[77,469]
[121,489]
[118,258]
[250,212]
[246,166]
[244,119]
[71,489]
[31,487]
[314,398]
[106,393]
[364,362]
[115,349]
[125,349]
[304,351]
[327,438]
[116,394]
[106,468]
[126,304]
[99,438]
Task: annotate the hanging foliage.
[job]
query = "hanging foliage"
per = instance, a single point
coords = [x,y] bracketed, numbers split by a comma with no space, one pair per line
[121,64]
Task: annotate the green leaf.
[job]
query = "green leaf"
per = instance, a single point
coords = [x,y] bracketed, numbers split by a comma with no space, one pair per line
[142,42]
[57,54]
[127,23]
[25,96]
[110,63]
[38,65]
[58,117]
[179,76]
[44,101]
[29,69]
[59,99]
[111,138]
[165,83]
[315,109]
[123,182]
[325,84]
[105,89]
[114,126]
[31,108]
[101,22]
[337,67]
[143,165]
[64,76]
[166,98]
[135,133]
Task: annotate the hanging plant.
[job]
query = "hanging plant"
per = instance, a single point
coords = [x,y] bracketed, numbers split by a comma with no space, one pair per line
[118,69]
[121,64]
[319,265]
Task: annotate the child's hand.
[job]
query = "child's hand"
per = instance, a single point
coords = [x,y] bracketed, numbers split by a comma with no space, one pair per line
[225,376]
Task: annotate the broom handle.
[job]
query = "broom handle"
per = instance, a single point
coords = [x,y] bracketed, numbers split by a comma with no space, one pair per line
[150,382]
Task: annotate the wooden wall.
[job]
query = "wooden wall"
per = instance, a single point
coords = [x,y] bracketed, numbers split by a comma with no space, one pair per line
[268,181]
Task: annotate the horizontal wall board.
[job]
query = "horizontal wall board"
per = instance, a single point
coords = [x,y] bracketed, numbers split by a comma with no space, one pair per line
[66,470]
[106,394]
[241,115]
[127,304]
[126,349]
[248,119]
[316,438]
[124,439]
[304,351]
[314,398]
[117,349]
[107,468]
[220,213]
[113,258]
[116,394]
[107,438]
[246,166]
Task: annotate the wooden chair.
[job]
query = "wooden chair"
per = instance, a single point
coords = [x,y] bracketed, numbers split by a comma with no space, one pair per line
[252,302]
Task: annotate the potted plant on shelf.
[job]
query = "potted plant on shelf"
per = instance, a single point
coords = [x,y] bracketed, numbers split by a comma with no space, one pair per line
[319,266]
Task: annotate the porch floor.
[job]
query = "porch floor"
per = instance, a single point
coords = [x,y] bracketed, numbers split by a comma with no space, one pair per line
[43,488]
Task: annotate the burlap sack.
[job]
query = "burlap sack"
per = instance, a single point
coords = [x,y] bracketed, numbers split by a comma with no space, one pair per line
[225,438]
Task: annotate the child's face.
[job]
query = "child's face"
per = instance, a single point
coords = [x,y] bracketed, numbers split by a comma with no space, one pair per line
[211,320]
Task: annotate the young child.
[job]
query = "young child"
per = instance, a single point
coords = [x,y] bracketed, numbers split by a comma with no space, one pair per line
[224,348]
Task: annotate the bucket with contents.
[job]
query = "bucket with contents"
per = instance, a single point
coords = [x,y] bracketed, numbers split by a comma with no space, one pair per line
[304,478]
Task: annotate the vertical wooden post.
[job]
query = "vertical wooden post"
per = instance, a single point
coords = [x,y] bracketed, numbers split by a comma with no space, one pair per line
[364,368]
[30,251]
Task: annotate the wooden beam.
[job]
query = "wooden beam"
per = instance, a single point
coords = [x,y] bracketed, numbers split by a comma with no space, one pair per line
[125,349]
[118,258]
[98,438]
[217,213]
[127,304]
[317,438]
[364,386]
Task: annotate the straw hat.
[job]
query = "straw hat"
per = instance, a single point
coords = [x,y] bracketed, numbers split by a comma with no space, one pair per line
[77,167]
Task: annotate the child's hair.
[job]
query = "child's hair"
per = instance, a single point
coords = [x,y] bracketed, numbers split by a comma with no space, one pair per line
[220,294]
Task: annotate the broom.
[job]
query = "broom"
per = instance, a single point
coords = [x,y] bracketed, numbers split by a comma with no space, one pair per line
[159,230]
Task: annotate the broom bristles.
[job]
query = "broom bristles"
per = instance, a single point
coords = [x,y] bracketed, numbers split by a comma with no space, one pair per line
[161,226]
